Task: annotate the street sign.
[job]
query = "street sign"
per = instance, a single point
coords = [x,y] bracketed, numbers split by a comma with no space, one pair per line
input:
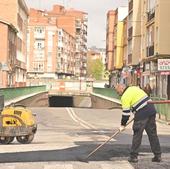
[163,64]
[165,73]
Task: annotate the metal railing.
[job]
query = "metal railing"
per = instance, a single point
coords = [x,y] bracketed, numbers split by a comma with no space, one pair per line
[162,107]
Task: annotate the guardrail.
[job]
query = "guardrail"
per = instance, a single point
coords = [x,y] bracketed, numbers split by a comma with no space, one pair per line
[14,92]
[162,105]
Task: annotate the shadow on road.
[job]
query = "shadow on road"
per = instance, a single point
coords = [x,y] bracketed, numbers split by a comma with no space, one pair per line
[111,151]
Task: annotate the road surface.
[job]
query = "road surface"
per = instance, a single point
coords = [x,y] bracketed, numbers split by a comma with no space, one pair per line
[66,134]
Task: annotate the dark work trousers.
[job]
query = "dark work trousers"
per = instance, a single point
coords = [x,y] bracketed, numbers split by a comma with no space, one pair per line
[149,125]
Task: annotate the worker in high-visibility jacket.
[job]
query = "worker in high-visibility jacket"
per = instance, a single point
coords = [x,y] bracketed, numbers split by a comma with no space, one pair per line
[135,100]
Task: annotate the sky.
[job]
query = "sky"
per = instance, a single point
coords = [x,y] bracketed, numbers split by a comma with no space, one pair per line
[96,9]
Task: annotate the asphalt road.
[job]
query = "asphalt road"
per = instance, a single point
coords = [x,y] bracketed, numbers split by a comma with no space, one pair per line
[66,135]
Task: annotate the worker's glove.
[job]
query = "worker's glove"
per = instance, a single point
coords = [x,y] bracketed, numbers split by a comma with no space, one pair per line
[121,128]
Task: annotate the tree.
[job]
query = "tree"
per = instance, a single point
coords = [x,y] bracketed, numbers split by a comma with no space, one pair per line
[95,68]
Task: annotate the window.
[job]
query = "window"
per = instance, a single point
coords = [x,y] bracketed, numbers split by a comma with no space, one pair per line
[130,47]
[150,36]
[59,54]
[39,44]
[38,66]
[60,33]
[39,30]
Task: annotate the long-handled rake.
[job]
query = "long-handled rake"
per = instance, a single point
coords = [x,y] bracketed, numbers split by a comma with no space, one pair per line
[101,145]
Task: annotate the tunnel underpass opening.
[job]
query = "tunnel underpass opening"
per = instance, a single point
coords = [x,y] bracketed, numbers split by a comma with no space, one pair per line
[60,101]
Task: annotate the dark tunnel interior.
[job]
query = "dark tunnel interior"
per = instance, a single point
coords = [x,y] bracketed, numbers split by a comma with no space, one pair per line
[60,101]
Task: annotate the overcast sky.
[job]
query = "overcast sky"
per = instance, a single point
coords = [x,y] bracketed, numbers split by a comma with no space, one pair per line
[96,9]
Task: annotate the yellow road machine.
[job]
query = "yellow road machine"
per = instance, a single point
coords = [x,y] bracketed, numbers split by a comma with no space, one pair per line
[17,121]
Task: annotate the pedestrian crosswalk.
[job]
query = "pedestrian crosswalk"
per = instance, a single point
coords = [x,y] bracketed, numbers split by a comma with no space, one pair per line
[69,165]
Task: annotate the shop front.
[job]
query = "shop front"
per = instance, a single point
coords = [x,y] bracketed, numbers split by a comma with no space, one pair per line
[164,78]
[157,74]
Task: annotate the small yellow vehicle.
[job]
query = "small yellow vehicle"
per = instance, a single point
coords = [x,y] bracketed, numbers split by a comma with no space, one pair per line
[17,121]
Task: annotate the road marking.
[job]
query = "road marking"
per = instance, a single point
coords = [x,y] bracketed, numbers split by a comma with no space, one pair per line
[117,165]
[82,121]
[71,115]
[58,166]
[78,120]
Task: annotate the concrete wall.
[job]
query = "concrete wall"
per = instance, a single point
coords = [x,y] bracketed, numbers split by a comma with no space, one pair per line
[101,102]
[39,100]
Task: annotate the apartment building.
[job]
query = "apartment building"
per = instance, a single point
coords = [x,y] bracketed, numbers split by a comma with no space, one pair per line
[8,34]
[155,49]
[15,12]
[80,29]
[126,71]
[110,40]
[73,22]
[134,41]
[51,50]
[120,15]
[125,41]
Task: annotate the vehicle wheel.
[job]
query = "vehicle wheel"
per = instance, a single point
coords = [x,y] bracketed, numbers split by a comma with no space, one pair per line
[25,139]
[6,140]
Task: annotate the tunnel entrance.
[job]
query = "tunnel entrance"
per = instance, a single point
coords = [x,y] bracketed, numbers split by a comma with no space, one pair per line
[60,101]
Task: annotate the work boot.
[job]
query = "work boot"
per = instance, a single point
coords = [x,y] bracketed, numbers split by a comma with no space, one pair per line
[133,159]
[156,159]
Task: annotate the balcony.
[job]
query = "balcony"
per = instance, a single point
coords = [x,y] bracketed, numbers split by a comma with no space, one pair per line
[150,51]
[150,15]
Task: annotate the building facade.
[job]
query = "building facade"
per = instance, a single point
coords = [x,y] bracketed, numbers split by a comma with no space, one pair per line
[116,74]
[80,29]
[146,56]
[73,27]
[8,48]
[155,50]
[110,40]
[51,49]
[15,12]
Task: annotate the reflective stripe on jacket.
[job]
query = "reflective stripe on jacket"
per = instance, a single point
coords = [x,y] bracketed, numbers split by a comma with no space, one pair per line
[133,99]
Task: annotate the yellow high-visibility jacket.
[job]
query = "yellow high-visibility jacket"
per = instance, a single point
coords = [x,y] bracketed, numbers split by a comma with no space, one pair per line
[136,100]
